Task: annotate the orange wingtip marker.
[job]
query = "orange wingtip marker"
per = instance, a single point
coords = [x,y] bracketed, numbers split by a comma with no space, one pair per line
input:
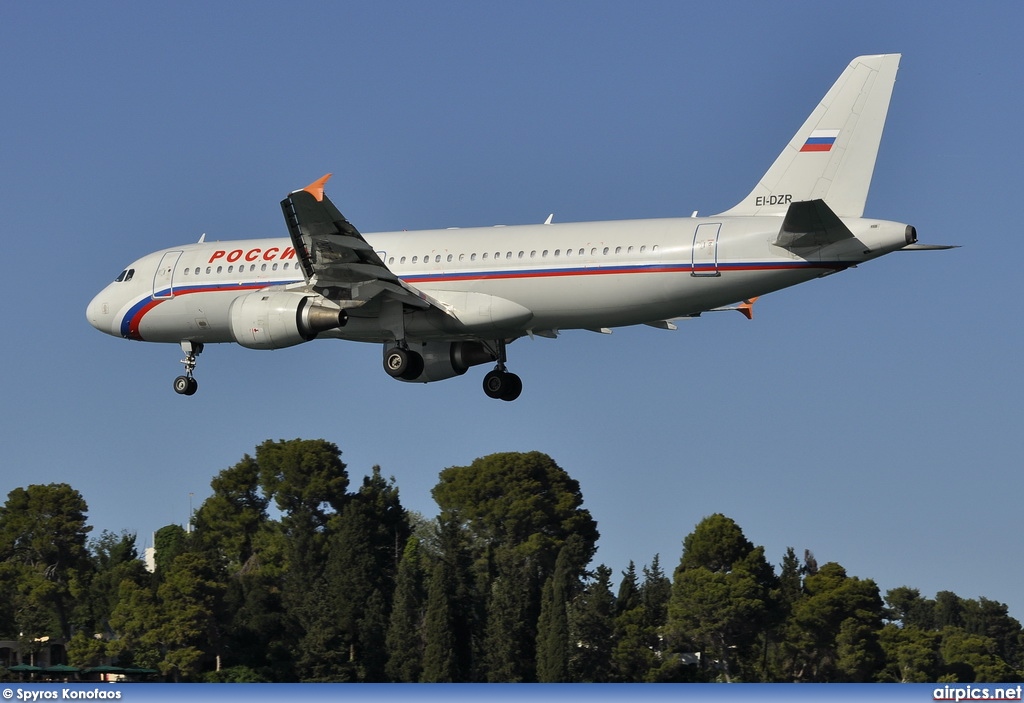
[747,308]
[316,188]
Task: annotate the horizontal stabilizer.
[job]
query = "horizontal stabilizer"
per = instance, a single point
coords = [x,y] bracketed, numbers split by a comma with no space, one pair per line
[929,247]
[811,223]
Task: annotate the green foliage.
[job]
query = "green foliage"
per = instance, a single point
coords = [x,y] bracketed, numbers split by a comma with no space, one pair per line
[43,546]
[720,596]
[404,645]
[231,519]
[348,586]
[835,627]
[592,629]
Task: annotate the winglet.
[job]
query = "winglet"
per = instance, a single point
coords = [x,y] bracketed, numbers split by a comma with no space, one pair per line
[316,188]
[746,308]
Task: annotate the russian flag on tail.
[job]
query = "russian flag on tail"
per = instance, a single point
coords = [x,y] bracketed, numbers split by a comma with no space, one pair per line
[820,140]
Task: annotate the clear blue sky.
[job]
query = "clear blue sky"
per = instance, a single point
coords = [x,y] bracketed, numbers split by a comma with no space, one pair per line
[873,417]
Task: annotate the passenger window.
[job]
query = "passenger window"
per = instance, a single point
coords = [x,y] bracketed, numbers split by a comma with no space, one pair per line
[415,259]
[263,267]
[449,258]
[220,269]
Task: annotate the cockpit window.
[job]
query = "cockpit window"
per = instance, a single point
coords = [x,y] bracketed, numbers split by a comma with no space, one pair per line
[126,275]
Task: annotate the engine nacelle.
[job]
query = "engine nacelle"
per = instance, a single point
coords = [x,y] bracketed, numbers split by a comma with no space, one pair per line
[443,360]
[275,320]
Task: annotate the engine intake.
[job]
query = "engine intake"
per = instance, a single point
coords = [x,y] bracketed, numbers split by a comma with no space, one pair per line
[265,320]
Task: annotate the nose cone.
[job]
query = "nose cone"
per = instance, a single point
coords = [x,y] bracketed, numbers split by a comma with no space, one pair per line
[98,313]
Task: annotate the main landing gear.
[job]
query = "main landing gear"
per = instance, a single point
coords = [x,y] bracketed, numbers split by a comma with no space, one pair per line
[187,385]
[502,384]
[405,364]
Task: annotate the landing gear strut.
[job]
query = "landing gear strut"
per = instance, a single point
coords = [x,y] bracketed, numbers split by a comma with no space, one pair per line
[500,383]
[187,385]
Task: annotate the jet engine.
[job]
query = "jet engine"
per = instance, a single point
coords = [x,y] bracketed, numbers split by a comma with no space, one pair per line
[443,360]
[269,320]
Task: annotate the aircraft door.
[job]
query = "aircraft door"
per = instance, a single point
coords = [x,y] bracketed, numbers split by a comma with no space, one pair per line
[704,254]
[163,279]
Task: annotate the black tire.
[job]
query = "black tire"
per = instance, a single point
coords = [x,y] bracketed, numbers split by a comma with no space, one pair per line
[193,386]
[514,387]
[182,385]
[396,362]
[415,366]
[496,384]
[402,363]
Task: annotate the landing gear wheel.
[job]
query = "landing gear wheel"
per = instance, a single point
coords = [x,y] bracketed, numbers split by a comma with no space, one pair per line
[185,385]
[402,363]
[502,385]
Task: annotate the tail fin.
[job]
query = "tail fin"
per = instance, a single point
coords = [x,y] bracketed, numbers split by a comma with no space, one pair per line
[832,156]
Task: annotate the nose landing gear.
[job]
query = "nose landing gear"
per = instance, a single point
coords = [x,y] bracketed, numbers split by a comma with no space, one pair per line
[187,385]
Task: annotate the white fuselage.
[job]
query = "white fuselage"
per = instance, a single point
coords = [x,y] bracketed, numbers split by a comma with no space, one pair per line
[534,278]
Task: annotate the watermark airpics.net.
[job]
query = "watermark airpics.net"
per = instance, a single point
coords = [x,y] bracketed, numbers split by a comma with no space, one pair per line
[977,693]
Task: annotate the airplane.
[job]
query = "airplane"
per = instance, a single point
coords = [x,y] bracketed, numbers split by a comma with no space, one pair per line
[442,301]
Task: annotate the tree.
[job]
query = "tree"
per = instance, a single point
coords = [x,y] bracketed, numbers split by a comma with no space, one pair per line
[43,539]
[307,481]
[441,663]
[553,625]
[115,559]
[911,654]
[720,594]
[592,629]
[518,511]
[404,642]
[231,518]
[906,606]
[838,620]
[362,561]
[970,658]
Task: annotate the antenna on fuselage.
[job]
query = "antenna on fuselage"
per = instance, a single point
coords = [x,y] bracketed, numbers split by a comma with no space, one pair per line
[202,238]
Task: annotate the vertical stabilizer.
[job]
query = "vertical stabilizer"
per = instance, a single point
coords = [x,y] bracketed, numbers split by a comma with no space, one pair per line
[832,156]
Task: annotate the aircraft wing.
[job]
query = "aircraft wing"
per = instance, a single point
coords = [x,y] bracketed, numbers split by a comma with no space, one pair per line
[336,260]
